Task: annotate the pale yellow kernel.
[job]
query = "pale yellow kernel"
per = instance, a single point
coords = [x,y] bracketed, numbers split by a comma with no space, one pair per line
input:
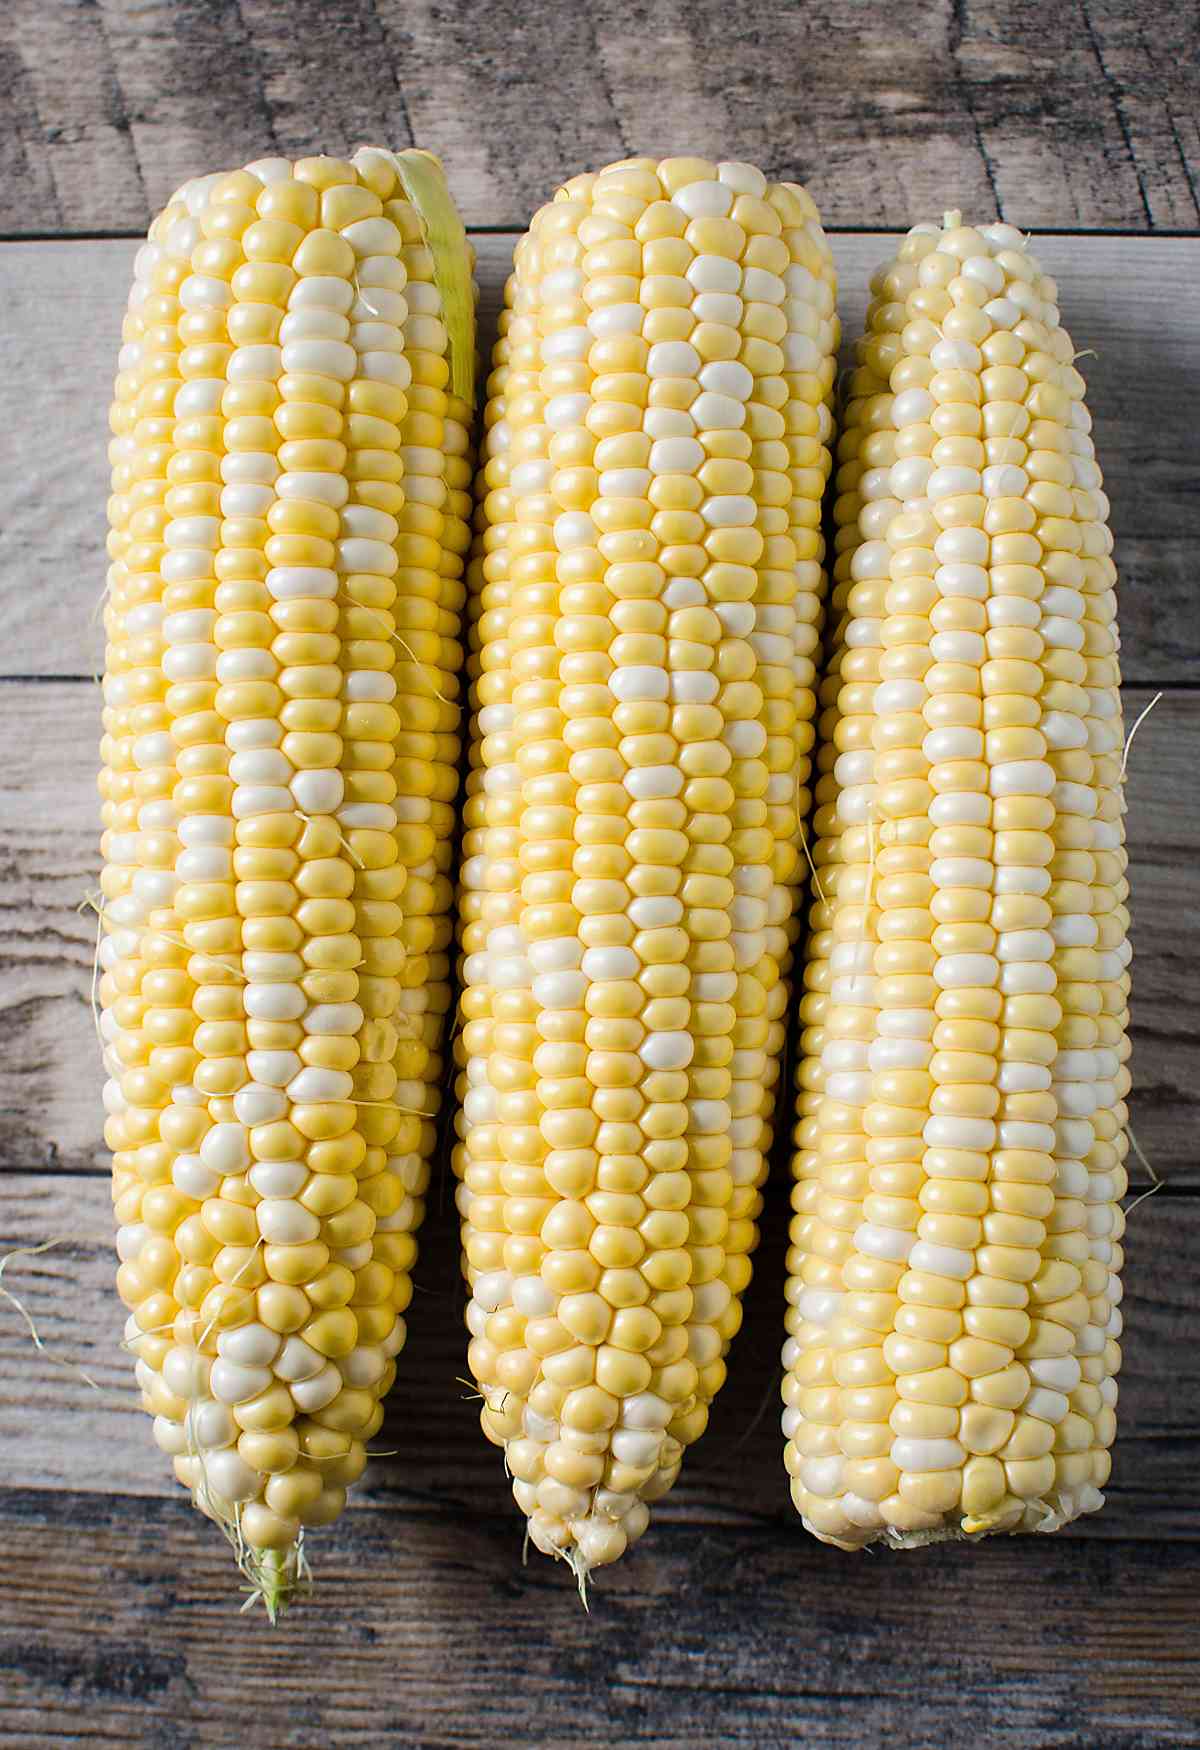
[984,1485]
[1004,1389]
[1030,1479]
[984,1429]
[931,1491]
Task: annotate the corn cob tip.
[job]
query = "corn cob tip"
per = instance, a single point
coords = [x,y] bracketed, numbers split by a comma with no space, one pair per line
[581,1569]
[274,1577]
[278,1578]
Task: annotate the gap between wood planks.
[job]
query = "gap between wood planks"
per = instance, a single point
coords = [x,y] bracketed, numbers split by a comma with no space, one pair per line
[430,1632]
[442,1465]
[49,832]
[1127,300]
[1185,233]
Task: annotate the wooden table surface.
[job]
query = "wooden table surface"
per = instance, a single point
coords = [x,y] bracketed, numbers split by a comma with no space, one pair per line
[728,1624]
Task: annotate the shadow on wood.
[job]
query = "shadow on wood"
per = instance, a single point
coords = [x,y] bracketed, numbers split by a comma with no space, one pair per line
[431,1633]
[56,1433]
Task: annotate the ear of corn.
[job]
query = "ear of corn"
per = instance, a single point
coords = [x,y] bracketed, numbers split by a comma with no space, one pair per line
[289,517]
[647,599]
[954,1292]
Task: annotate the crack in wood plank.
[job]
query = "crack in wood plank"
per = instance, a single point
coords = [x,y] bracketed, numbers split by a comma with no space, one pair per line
[1113,90]
[958,30]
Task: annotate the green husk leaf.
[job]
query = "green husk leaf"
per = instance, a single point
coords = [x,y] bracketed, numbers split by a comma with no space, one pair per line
[425,185]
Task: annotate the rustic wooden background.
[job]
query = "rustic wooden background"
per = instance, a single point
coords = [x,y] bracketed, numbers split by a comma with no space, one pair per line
[728,1624]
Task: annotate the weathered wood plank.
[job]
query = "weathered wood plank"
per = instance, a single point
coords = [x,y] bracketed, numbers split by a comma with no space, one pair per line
[1081,114]
[1130,299]
[57,65]
[58,1432]
[61,307]
[49,1068]
[430,1633]
[1037,81]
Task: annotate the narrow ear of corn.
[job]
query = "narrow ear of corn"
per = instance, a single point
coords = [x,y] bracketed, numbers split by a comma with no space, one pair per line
[954,1291]
[289,519]
[647,602]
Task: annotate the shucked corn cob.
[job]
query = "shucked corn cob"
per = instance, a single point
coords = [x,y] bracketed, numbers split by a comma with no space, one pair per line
[647,601]
[954,1297]
[289,517]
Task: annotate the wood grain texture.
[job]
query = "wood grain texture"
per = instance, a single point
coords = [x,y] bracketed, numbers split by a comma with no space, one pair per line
[728,1625]
[429,1632]
[1078,114]
[49,831]
[61,306]
[58,1432]
[1131,301]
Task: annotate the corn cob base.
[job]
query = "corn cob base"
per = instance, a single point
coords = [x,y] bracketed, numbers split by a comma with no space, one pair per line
[289,519]
[954,1293]
[648,596]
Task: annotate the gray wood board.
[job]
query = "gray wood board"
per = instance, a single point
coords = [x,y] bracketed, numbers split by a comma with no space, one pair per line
[57,1431]
[49,858]
[1130,300]
[728,1624]
[1081,114]
[429,1632]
